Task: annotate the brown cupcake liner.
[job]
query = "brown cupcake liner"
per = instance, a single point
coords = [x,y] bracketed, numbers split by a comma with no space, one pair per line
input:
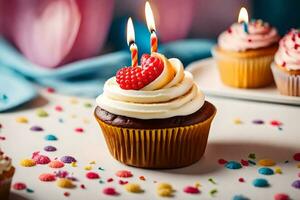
[5,186]
[244,72]
[287,84]
[157,148]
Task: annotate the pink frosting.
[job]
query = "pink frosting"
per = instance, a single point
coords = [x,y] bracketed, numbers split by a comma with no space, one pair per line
[260,34]
[288,54]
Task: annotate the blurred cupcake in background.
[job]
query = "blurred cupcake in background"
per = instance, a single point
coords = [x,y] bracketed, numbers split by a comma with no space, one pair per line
[6,173]
[244,53]
[286,66]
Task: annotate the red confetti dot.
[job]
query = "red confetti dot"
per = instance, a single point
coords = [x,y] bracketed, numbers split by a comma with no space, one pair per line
[283,64]
[249,40]
[242,180]
[82,186]
[110,180]
[296,156]
[92,175]
[281,196]
[275,123]
[191,190]
[79,130]
[66,194]
[58,108]
[50,90]
[46,177]
[19,186]
[109,191]
[222,161]
[124,174]
[2,138]
[121,182]
[142,178]
[245,162]
[229,30]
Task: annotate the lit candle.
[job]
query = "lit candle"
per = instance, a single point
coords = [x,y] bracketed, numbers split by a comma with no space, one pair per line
[243,18]
[131,43]
[151,27]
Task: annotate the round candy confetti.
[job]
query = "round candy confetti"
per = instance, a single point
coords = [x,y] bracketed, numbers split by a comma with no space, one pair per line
[65,183]
[67,159]
[110,180]
[29,190]
[124,174]
[36,128]
[27,163]
[88,168]
[245,162]
[92,175]
[281,196]
[87,105]
[252,156]
[56,164]
[19,186]
[296,184]
[213,192]
[233,165]
[110,191]
[275,123]
[133,187]
[164,186]
[142,178]
[296,156]
[260,182]
[121,182]
[41,159]
[278,170]
[50,148]
[222,161]
[191,190]
[41,113]
[73,164]
[242,180]
[239,197]
[258,121]
[50,137]
[265,171]
[50,90]
[58,108]
[66,194]
[46,177]
[164,189]
[22,120]
[266,162]
[79,130]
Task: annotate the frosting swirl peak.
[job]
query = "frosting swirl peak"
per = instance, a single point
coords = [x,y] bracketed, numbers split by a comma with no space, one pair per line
[5,163]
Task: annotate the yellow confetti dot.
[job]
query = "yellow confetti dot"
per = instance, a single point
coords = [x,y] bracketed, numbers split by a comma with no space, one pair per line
[266,162]
[27,163]
[86,121]
[65,183]
[92,162]
[237,121]
[73,164]
[73,101]
[133,187]
[41,113]
[164,186]
[164,190]
[278,170]
[23,120]
[197,184]
[88,168]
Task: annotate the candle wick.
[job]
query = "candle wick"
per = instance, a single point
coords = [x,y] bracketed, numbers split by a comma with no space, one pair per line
[131,42]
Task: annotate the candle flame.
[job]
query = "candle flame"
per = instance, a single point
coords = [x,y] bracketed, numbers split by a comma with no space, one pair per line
[149,17]
[243,16]
[130,31]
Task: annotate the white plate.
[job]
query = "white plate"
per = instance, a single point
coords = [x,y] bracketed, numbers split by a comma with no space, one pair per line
[206,75]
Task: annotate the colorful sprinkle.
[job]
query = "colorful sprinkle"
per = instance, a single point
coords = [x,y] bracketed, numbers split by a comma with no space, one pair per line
[29,190]
[40,159]
[296,184]
[58,108]
[133,188]
[265,171]
[142,178]
[213,192]
[92,175]
[252,156]
[36,128]
[66,194]
[22,120]
[221,161]
[73,164]
[110,191]
[19,186]
[266,162]
[79,130]
[110,180]
[260,182]
[121,182]
[212,181]
[2,138]
[50,90]
[281,196]
[88,168]
[296,156]
[50,137]
[239,197]
[82,186]
[65,183]
[164,186]
[252,162]
[233,165]
[258,121]
[27,163]
[56,164]
[237,121]
[87,105]
[278,170]
[245,162]
[46,177]
[67,159]
[41,113]
[242,180]
[124,174]
[191,190]
[275,123]
[50,148]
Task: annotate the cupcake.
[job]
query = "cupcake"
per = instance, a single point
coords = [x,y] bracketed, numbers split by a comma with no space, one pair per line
[154,115]
[6,173]
[244,57]
[286,66]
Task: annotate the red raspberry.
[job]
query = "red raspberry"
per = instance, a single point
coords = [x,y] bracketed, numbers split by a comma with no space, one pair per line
[135,78]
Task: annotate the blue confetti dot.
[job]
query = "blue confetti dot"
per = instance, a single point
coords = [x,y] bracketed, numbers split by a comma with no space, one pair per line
[265,171]
[239,197]
[50,137]
[233,165]
[260,182]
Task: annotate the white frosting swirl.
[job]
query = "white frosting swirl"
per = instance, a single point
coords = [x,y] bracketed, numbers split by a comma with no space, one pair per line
[5,163]
[288,54]
[178,97]
[259,35]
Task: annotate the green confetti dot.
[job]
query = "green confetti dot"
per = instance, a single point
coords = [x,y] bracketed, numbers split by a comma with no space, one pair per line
[252,156]
[212,181]
[29,190]
[101,182]
[41,113]
[213,192]
[87,105]
[100,168]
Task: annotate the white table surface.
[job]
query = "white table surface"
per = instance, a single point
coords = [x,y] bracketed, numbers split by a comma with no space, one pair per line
[227,140]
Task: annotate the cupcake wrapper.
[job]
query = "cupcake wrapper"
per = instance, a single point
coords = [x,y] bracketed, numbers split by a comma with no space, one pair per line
[5,188]
[249,72]
[157,148]
[287,84]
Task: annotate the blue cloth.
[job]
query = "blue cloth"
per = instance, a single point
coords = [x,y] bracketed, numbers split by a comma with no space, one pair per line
[85,77]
